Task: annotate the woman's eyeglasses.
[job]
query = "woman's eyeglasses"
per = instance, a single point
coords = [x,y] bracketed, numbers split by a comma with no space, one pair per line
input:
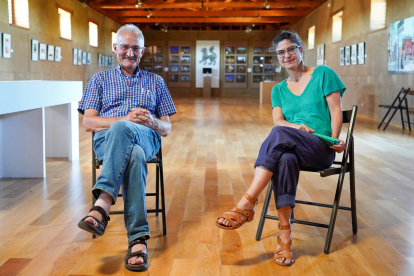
[291,51]
[125,47]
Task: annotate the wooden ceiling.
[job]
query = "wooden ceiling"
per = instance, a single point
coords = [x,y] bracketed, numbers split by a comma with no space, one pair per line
[206,14]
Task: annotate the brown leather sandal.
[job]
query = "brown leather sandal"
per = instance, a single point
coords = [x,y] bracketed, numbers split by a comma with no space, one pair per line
[284,246]
[236,217]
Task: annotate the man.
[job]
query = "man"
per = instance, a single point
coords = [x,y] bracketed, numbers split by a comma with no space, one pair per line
[128,109]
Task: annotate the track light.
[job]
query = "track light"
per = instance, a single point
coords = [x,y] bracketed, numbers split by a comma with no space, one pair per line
[267,7]
[149,15]
[156,24]
[248,30]
[253,24]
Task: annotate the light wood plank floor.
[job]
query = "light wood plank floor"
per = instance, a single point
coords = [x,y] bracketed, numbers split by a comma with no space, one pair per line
[209,159]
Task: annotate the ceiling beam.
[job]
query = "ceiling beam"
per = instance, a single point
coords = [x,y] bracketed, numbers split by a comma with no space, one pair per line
[210,13]
[210,20]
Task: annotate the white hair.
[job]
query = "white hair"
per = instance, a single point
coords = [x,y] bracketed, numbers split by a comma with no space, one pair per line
[133,29]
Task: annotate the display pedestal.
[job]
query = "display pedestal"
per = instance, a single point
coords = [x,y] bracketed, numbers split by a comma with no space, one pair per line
[266,92]
[207,87]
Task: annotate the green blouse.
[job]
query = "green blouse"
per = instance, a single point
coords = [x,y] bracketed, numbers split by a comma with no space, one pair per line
[310,108]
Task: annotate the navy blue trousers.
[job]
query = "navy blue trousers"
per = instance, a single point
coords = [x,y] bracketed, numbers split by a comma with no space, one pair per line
[285,152]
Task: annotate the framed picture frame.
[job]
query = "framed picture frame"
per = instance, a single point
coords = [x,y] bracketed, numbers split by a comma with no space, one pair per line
[268,50]
[229,50]
[106,61]
[1,42]
[354,53]
[102,61]
[58,54]
[185,68]
[80,57]
[361,53]
[173,68]
[241,50]
[185,59]
[257,50]
[89,59]
[241,78]
[241,59]
[50,53]
[158,68]
[174,78]
[241,69]
[35,50]
[229,78]
[342,56]
[158,59]
[147,68]
[158,49]
[258,60]
[174,50]
[75,56]
[229,69]
[185,78]
[185,50]
[348,55]
[257,69]
[84,54]
[6,41]
[99,60]
[42,51]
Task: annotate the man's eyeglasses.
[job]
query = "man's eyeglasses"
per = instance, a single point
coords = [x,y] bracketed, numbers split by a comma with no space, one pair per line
[291,51]
[125,47]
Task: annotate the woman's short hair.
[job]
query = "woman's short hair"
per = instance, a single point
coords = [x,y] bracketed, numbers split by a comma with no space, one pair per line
[285,34]
[134,29]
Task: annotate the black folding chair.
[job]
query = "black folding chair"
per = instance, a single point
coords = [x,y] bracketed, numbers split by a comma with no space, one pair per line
[158,192]
[345,167]
[399,103]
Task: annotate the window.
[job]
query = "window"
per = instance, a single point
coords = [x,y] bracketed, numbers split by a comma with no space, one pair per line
[19,13]
[65,24]
[113,40]
[337,27]
[311,38]
[378,14]
[93,34]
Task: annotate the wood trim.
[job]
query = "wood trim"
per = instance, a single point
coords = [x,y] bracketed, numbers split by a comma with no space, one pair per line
[338,10]
[374,31]
[65,9]
[24,28]
[65,39]
[93,21]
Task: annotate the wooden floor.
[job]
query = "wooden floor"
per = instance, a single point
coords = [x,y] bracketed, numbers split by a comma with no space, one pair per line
[209,159]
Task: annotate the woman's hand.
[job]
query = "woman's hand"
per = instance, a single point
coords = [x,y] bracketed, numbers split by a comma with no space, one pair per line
[304,128]
[340,147]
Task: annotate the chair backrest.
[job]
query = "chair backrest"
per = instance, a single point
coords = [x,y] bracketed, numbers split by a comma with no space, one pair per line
[349,116]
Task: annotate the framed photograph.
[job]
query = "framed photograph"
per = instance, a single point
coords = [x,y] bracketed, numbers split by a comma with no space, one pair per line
[89,59]
[174,68]
[42,51]
[229,69]
[158,49]
[241,59]
[174,50]
[342,56]
[354,54]
[257,50]
[148,50]
[241,69]
[361,53]
[229,50]
[185,68]
[174,59]
[35,50]
[158,59]
[1,49]
[268,60]
[99,60]
[268,69]
[174,78]
[58,54]
[185,50]
[147,68]
[230,59]
[185,59]
[146,59]
[241,50]
[185,78]
[75,56]
[348,55]
[50,52]
[158,68]
[6,45]
[257,78]
[102,60]
[257,69]
[241,78]
[268,50]
[84,54]
[79,57]
[106,61]
[268,78]
[229,78]
[258,60]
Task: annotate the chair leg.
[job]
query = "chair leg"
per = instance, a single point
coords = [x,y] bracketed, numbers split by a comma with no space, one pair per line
[157,192]
[292,214]
[164,221]
[352,190]
[408,115]
[392,116]
[402,118]
[264,211]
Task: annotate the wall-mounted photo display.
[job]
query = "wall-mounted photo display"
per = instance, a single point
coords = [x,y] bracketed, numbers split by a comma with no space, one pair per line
[174,78]
[268,50]
[58,54]
[258,59]
[241,69]
[89,59]
[361,53]
[50,53]
[185,78]
[257,78]
[75,56]
[257,69]
[354,54]
[268,69]
[158,50]
[185,59]
[229,69]
[99,60]
[348,55]
[241,50]
[174,59]
[229,50]
[35,50]
[241,59]
[42,51]
[106,61]
[185,68]
[342,56]
[185,50]
[268,78]
[7,45]
[103,61]
[146,59]
[400,35]
[257,50]
[230,59]
[174,50]
[157,68]
[241,78]
[320,54]
[80,57]
[268,60]
[147,68]
[147,50]
[229,78]
[84,54]
[174,68]
[158,59]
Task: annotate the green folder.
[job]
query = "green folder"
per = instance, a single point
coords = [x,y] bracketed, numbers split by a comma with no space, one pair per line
[327,139]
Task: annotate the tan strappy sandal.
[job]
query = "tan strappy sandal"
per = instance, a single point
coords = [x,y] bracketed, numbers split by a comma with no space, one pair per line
[284,246]
[236,217]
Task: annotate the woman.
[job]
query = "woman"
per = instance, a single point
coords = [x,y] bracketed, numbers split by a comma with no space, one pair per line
[308,102]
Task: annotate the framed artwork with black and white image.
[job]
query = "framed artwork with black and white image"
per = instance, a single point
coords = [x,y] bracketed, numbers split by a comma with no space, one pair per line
[348,55]
[361,53]
[42,51]
[79,57]
[50,53]
[6,41]
[342,56]
[84,54]
[99,60]
[75,56]
[89,59]
[354,54]
[58,54]
[35,50]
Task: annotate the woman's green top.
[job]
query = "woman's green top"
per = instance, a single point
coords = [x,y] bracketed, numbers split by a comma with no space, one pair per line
[310,108]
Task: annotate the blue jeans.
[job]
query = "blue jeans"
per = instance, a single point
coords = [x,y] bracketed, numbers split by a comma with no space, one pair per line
[125,149]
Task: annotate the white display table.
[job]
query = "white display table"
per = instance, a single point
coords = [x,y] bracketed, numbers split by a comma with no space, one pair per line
[38,119]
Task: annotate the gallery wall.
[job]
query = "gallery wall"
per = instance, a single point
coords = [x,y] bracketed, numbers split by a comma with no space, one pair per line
[44,27]
[368,84]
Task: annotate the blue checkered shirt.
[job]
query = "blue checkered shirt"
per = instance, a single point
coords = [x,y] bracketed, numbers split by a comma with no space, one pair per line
[114,94]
